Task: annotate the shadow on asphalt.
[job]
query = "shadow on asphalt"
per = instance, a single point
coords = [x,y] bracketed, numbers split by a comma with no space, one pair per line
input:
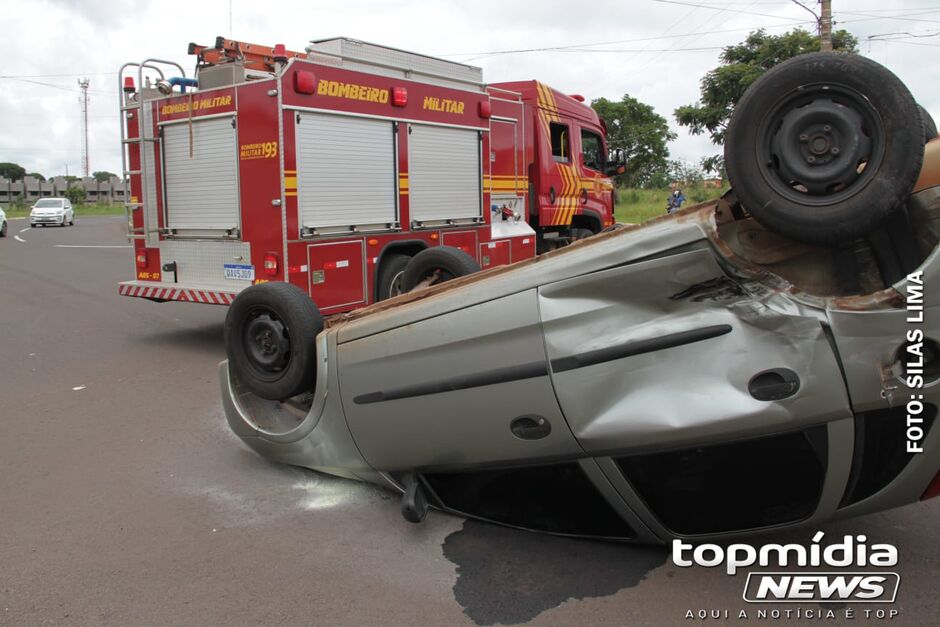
[509,576]
[209,337]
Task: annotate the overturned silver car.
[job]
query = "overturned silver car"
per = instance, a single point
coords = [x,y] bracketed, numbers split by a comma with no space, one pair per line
[759,362]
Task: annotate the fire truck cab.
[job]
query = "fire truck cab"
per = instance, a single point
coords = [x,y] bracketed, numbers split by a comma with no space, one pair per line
[331,169]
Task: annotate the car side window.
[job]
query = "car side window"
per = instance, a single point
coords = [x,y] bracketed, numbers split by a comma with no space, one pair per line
[592,150]
[561,142]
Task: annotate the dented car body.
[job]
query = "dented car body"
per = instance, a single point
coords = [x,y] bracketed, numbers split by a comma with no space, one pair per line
[697,375]
[762,361]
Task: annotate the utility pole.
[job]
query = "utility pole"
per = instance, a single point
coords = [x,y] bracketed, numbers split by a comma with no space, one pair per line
[825,26]
[83,83]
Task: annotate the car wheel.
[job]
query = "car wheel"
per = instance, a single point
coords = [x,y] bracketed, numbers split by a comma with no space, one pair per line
[3,229]
[930,127]
[436,265]
[270,340]
[821,149]
[390,274]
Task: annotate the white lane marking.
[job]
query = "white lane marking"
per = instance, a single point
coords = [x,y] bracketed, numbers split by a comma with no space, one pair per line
[26,229]
[19,239]
[77,246]
[79,387]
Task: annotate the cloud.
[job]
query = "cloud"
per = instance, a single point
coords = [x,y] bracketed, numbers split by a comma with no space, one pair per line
[655,51]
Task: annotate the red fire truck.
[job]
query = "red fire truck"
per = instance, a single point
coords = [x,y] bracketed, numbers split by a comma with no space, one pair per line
[331,169]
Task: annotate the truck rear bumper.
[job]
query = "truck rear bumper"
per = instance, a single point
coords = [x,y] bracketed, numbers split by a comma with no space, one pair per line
[161,292]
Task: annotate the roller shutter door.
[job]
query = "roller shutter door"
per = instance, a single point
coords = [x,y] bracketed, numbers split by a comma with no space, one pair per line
[202,190]
[346,171]
[444,173]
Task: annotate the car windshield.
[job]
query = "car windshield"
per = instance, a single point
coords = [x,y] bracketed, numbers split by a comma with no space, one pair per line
[49,204]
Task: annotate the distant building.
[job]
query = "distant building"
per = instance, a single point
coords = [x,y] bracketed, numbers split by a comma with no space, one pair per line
[30,189]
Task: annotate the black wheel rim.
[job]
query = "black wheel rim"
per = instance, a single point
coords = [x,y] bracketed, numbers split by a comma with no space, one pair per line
[820,144]
[267,343]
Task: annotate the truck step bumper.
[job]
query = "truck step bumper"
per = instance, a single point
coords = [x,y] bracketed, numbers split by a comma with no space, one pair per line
[161,292]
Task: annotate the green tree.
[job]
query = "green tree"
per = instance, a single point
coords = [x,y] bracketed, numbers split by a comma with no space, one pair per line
[741,65]
[37,175]
[677,172]
[76,194]
[12,171]
[641,133]
[686,174]
[102,176]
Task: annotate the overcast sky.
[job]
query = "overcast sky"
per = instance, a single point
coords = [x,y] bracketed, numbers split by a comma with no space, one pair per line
[654,50]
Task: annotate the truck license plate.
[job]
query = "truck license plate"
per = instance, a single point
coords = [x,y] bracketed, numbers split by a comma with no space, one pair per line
[239,272]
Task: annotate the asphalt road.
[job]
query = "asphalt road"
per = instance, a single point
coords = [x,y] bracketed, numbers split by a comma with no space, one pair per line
[124,500]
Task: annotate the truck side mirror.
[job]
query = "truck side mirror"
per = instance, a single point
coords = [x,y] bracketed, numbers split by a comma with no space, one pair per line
[616,162]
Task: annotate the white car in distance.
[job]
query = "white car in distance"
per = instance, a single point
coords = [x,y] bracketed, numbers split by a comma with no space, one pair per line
[52,211]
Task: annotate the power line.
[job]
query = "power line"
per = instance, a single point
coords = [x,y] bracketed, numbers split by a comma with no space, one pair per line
[902,35]
[26,80]
[585,47]
[715,8]
[650,62]
[58,75]
[908,43]
[906,17]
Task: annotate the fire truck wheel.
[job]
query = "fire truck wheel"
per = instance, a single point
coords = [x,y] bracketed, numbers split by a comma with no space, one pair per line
[390,274]
[270,340]
[821,148]
[436,265]
[577,234]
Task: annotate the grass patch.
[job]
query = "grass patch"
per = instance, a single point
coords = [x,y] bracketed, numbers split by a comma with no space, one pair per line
[80,210]
[639,205]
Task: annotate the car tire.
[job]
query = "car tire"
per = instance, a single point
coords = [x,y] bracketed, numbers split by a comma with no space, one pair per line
[798,139]
[450,262]
[390,275]
[3,229]
[930,127]
[270,340]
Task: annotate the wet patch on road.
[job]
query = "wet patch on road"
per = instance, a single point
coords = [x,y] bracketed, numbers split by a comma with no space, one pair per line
[509,576]
[272,491]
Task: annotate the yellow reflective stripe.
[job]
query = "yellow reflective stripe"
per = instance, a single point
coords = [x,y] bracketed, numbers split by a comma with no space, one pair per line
[563,201]
[290,182]
[572,195]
